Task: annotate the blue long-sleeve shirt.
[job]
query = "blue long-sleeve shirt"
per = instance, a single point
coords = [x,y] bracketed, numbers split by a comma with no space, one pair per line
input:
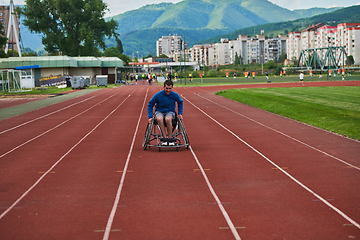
[165,103]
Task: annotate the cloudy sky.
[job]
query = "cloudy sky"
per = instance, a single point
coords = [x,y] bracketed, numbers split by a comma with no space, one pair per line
[121,6]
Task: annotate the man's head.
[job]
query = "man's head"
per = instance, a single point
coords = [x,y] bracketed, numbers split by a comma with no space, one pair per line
[168,86]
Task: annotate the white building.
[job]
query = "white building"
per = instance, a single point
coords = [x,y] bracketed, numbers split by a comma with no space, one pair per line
[346,35]
[325,37]
[293,45]
[259,49]
[200,54]
[308,36]
[168,45]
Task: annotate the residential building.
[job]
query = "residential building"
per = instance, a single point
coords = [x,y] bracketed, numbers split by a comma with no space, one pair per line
[168,45]
[320,35]
[200,54]
[259,49]
[293,45]
[308,36]
[348,36]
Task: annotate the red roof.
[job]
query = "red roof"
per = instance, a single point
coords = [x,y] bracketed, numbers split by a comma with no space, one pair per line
[143,63]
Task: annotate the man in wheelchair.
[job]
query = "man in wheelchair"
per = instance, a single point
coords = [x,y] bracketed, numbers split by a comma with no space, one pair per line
[164,102]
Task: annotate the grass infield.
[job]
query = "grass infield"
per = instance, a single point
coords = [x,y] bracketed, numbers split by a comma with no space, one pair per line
[335,109]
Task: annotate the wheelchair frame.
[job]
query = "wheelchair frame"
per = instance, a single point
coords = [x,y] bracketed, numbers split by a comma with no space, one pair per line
[153,136]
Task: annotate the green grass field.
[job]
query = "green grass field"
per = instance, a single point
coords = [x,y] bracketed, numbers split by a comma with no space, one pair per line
[336,109]
[260,79]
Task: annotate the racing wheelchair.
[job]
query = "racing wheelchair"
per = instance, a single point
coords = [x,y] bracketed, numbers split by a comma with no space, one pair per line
[153,137]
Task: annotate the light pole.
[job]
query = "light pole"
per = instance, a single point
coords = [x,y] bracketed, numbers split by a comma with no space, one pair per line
[262,64]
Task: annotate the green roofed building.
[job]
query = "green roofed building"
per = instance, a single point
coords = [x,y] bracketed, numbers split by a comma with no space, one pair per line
[63,65]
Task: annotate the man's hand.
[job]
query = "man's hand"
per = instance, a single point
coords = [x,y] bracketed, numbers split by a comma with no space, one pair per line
[180,116]
[150,120]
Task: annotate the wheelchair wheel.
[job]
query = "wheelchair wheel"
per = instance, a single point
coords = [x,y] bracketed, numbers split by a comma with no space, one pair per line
[183,132]
[147,136]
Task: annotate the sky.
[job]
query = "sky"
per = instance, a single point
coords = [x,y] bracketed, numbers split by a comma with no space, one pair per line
[120,6]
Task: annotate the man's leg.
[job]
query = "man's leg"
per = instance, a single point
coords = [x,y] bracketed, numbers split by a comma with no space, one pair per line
[168,120]
[160,120]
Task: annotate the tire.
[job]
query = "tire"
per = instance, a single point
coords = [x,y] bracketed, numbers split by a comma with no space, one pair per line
[147,136]
[183,132]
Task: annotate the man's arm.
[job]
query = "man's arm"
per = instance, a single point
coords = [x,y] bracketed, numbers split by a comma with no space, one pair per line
[150,108]
[180,107]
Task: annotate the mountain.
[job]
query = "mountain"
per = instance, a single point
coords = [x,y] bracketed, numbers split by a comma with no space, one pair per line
[196,19]
[344,15]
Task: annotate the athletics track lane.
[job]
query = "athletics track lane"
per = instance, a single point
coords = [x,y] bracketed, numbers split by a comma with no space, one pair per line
[165,196]
[60,196]
[270,204]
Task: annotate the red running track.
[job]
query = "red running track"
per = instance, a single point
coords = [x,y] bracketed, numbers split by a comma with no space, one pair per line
[79,172]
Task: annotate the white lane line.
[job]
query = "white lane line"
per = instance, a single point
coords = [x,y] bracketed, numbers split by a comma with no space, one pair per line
[42,134]
[280,169]
[294,139]
[53,166]
[222,209]
[117,198]
[46,115]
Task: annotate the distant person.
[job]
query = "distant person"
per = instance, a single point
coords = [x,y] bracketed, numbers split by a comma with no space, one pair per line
[301,81]
[234,75]
[150,79]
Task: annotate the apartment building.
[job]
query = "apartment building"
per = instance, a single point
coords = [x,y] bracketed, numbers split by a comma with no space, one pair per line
[200,54]
[320,35]
[168,45]
[308,36]
[259,49]
[219,54]
[348,36]
[293,45]
[325,37]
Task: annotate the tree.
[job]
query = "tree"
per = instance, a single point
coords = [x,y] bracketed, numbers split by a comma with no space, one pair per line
[73,27]
[119,45]
[111,52]
[237,59]
[162,56]
[125,58]
[350,60]
[3,40]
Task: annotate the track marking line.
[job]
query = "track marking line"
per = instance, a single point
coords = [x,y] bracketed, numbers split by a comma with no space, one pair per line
[32,139]
[46,115]
[112,230]
[277,131]
[219,203]
[274,168]
[275,165]
[122,180]
[58,161]
[229,228]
